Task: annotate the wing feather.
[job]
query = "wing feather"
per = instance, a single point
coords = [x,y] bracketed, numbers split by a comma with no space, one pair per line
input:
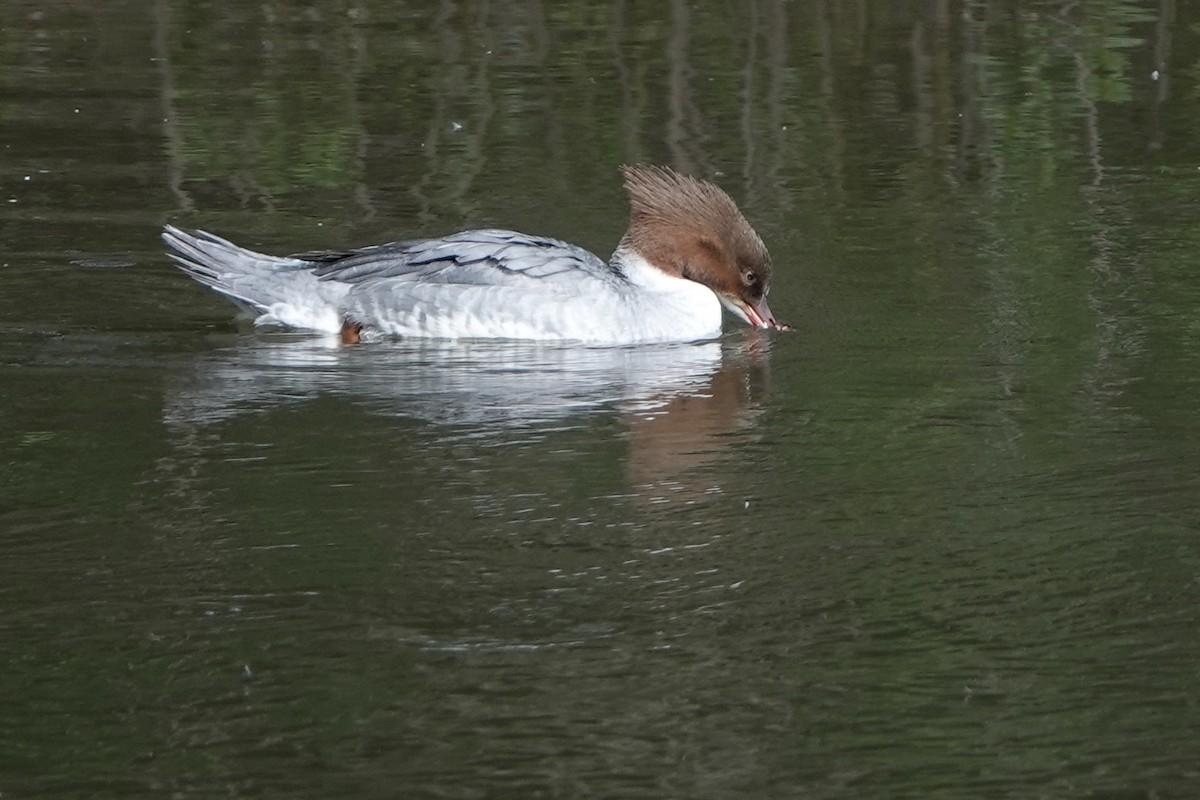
[479,257]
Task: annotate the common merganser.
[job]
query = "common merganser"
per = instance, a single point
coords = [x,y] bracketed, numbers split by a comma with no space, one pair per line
[688,251]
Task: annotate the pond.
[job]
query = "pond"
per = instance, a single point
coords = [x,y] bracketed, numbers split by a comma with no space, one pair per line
[940,540]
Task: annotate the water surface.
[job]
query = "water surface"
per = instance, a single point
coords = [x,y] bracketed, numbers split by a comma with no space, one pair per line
[940,541]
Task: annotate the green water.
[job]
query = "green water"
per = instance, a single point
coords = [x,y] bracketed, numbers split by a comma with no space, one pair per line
[942,540]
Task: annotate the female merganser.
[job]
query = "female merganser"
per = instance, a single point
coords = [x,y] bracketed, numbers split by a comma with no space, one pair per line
[687,252]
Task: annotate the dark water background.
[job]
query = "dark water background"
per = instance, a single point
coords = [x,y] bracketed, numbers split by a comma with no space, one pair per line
[943,541]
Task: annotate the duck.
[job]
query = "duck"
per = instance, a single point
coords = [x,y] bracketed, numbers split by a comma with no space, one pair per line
[688,253]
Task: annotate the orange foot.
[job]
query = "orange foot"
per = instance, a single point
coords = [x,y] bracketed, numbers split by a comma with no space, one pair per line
[351,332]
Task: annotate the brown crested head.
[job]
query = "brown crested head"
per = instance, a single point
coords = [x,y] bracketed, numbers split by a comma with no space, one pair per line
[693,229]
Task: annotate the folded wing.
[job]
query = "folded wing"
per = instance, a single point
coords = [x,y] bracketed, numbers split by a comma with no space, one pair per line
[479,257]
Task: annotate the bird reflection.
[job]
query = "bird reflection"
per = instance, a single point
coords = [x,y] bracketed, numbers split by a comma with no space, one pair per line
[689,430]
[681,405]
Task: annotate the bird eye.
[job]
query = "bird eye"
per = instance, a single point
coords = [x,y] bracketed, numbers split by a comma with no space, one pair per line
[750,277]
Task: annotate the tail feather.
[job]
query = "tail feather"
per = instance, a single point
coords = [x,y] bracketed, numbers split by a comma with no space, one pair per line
[252,279]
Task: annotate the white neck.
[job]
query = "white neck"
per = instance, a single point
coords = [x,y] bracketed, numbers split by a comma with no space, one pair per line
[675,300]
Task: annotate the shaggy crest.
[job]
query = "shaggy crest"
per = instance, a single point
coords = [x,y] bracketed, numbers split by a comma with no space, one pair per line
[664,204]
